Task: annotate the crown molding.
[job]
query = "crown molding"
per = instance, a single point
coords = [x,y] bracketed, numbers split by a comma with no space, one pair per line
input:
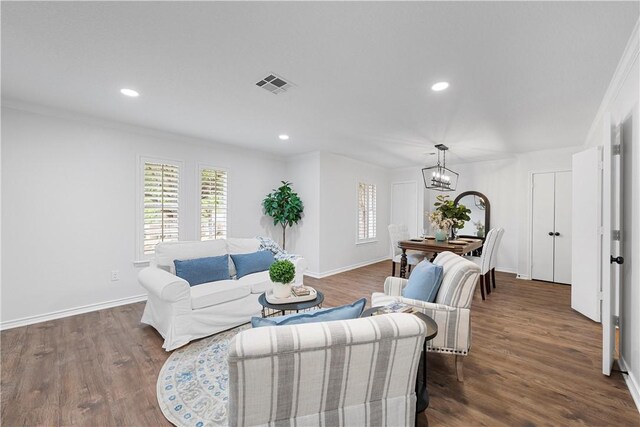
[627,61]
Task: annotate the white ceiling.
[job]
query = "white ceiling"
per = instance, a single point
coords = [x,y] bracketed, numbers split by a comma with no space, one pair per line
[524,76]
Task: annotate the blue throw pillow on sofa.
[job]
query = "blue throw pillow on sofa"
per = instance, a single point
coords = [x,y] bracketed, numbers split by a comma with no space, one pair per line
[424,282]
[203,270]
[344,312]
[252,263]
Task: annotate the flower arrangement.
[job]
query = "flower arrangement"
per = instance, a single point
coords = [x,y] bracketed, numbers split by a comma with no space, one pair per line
[439,222]
[479,228]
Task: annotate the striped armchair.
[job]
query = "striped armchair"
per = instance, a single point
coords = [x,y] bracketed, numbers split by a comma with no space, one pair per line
[452,309]
[351,372]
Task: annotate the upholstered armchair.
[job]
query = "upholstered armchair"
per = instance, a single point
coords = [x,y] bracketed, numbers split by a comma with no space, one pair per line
[341,373]
[451,310]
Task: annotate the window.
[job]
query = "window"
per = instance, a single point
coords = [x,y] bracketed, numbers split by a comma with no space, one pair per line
[366,212]
[160,204]
[213,204]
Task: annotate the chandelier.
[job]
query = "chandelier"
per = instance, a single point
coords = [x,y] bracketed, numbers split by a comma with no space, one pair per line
[439,177]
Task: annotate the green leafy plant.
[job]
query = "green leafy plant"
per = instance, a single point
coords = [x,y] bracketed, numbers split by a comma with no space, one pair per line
[459,214]
[282,271]
[284,206]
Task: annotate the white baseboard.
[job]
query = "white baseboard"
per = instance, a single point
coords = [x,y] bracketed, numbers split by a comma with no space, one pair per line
[632,383]
[523,277]
[506,270]
[9,324]
[343,269]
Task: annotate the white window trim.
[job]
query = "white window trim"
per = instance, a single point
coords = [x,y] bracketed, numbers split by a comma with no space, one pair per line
[372,239]
[141,160]
[199,169]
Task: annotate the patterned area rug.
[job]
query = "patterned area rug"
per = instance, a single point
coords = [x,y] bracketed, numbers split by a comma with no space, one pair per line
[193,383]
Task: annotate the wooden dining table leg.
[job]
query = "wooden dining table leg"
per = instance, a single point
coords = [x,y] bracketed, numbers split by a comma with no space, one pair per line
[403,264]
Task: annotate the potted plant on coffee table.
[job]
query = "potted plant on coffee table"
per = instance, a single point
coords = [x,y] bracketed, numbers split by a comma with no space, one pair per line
[282,274]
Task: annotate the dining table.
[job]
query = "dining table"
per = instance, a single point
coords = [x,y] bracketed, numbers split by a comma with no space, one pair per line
[459,246]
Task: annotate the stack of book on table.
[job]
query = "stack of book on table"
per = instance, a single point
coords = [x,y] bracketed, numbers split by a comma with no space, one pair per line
[395,307]
[300,291]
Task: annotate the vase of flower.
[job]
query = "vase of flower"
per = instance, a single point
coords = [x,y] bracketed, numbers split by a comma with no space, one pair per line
[282,274]
[440,225]
[441,234]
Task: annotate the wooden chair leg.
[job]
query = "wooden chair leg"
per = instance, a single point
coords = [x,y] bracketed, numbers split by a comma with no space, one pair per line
[409,268]
[393,268]
[459,374]
[487,282]
[482,286]
[493,277]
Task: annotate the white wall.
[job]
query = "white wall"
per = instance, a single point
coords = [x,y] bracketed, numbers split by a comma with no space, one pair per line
[339,177]
[304,238]
[69,203]
[621,100]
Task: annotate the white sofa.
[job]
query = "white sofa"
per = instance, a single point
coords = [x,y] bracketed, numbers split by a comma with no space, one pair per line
[181,313]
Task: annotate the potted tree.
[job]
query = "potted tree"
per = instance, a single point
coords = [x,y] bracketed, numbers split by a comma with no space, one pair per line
[284,206]
[282,274]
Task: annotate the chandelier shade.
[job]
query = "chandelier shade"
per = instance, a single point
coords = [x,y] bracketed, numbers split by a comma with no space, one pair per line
[440,177]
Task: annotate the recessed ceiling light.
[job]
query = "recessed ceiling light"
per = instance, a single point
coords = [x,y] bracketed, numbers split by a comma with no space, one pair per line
[440,86]
[129,92]
[283,137]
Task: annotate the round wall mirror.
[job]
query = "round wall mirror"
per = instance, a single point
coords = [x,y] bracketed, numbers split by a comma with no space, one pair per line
[478,225]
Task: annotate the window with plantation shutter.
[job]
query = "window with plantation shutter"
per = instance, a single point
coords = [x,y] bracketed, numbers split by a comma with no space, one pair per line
[366,212]
[160,218]
[213,204]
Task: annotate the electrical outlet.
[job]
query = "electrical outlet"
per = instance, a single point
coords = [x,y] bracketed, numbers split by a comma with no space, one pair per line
[115,275]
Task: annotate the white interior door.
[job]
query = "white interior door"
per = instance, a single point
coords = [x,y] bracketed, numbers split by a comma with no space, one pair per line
[542,224]
[611,222]
[562,228]
[404,205]
[586,235]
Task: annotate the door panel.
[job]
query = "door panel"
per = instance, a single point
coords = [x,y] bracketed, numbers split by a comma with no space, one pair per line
[586,221]
[611,214]
[562,213]
[404,206]
[542,225]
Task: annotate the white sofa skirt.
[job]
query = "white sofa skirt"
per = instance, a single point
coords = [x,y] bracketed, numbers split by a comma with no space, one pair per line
[179,324]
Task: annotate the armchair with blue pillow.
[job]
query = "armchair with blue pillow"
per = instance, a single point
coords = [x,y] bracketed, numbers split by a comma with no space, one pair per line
[443,291]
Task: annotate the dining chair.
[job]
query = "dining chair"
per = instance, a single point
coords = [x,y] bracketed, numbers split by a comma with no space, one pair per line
[484,261]
[494,255]
[398,232]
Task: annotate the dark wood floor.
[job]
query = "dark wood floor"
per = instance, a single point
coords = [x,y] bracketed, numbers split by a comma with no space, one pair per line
[533,362]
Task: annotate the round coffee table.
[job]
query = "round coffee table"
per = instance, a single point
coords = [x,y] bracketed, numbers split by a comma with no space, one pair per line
[295,306]
[422,392]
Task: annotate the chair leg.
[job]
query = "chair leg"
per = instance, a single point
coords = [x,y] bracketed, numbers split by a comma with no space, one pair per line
[487,282]
[459,360]
[393,268]
[482,286]
[493,277]
[409,268]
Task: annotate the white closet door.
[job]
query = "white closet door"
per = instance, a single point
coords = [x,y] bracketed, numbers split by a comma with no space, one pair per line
[562,229]
[404,206]
[542,224]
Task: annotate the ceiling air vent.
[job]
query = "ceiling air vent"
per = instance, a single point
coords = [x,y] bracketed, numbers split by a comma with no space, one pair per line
[274,84]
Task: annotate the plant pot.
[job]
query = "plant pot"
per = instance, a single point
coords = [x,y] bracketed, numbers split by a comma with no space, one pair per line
[441,235]
[281,290]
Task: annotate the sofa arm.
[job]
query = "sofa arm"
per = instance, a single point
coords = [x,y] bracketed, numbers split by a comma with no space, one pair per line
[393,286]
[163,284]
